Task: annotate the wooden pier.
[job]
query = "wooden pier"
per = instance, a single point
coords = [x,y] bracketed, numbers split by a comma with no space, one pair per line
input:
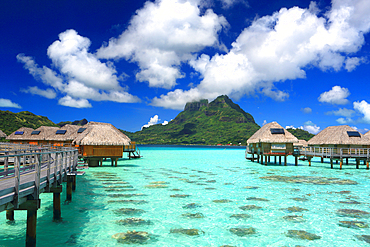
[339,155]
[26,171]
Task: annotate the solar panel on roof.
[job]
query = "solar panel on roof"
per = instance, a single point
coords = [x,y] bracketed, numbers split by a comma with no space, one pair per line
[80,130]
[19,133]
[35,132]
[353,134]
[61,132]
[277,131]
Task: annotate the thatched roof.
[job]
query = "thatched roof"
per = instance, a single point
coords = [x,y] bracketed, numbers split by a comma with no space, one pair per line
[367,134]
[69,135]
[25,136]
[264,134]
[2,134]
[45,131]
[301,143]
[335,135]
[101,134]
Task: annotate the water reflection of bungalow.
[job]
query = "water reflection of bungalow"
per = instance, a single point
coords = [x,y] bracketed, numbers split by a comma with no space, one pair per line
[271,140]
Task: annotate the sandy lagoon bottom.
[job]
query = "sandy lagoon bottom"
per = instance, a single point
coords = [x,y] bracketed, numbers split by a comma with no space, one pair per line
[191,196]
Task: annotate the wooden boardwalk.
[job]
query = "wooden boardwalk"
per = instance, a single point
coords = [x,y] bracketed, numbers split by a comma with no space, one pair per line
[26,171]
[340,155]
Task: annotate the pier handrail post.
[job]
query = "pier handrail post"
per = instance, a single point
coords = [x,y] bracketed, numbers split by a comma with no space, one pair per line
[6,163]
[48,171]
[17,178]
[37,176]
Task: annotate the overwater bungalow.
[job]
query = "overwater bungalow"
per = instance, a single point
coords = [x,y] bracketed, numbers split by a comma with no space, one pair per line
[342,136]
[20,136]
[271,140]
[338,143]
[65,135]
[102,140]
[39,136]
[300,143]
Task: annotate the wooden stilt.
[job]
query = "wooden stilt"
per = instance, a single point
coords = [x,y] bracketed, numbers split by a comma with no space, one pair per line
[116,160]
[57,213]
[74,178]
[31,228]
[258,158]
[340,164]
[336,161]
[331,163]
[346,161]
[10,215]
[296,160]
[266,158]
[357,163]
[269,160]
[367,165]
[309,161]
[112,161]
[322,159]
[279,160]
[69,187]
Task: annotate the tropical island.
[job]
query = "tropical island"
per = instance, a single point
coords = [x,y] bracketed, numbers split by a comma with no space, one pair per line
[201,123]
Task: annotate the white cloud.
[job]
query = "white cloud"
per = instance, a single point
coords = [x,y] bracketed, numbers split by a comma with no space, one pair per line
[48,93]
[280,47]
[306,110]
[344,120]
[342,112]
[290,127]
[165,122]
[153,120]
[82,76]
[362,131]
[337,95]
[310,127]
[76,103]
[352,62]
[364,108]
[264,122]
[161,36]
[8,103]
[226,4]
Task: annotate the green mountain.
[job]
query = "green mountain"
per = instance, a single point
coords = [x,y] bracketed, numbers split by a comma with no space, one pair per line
[76,122]
[10,122]
[301,134]
[218,122]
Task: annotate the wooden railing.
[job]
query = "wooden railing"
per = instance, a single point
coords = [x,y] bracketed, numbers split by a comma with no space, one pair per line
[28,170]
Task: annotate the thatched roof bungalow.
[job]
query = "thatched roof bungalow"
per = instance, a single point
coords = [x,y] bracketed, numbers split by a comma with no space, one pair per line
[272,138]
[342,136]
[2,134]
[101,140]
[64,135]
[39,136]
[21,136]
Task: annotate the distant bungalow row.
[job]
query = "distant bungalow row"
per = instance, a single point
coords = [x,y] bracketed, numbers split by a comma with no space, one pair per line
[95,141]
[337,143]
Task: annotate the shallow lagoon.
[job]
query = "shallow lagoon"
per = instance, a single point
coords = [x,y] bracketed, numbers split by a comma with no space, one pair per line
[226,198]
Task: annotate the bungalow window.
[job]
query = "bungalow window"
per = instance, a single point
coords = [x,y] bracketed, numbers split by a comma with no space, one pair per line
[35,132]
[353,134]
[277,131]
[19,133]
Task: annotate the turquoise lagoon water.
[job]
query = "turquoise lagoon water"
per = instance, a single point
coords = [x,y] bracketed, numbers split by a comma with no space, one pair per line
[201,175]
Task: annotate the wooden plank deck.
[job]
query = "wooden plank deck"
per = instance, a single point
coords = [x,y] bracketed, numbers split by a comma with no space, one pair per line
[26,171]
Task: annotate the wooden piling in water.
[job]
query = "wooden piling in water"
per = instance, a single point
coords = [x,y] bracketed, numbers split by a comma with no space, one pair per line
[69,187]
[10,215]
[31,228]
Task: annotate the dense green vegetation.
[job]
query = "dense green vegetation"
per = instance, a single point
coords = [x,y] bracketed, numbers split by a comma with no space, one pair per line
[10,122]
[76,122]
[218,122]
[301,134]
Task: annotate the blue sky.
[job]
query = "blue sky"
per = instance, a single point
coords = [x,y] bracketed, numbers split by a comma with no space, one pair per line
[130,63]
